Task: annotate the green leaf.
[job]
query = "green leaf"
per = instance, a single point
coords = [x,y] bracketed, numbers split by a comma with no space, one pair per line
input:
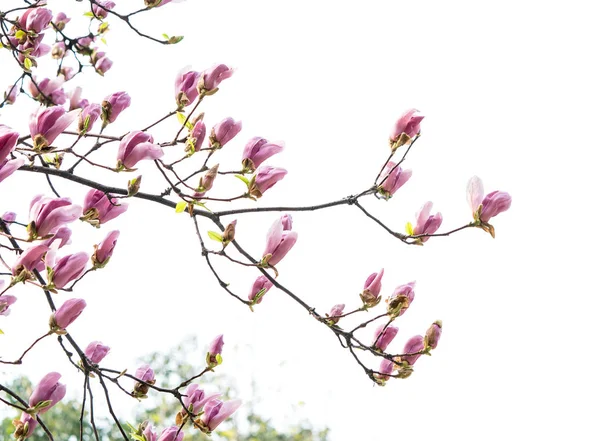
[181,206]
[243,179]
[103,40]
[215,236]
[409,229]
[27,63]
[20,34]
[181,117]
[103,27]
[165,36]
[88,14]
[1,332]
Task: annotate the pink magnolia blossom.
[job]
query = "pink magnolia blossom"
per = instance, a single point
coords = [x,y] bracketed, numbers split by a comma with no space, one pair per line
[433,334]
[105,249]
[145,374]
[47,123]
[386,367]
[196,398]
[10,96]
[173,433]
[426,223]
[25,426]
[48,215]
[135,147]
[414,344]
[96,351]
[186,91]
[9,166]
[259,284]
[99,207]
[59,50]
[35,19]
[196,136]
[214,350]
[280,240]
[224,132]
[48,89]
[485,208]
[383,337]
[68,313]
[67,269]
[88,117]
[8,141]
[409,124]
[75,100]
[9,217]
[62,237]
[257,151]
[336,311]
[396,178]
[30,259]
[60,20]
[113,105]
[265,178]
[48,389]
[101,8]
[401,299]
[372,288]
[5,301]
[149,432]
[103,65]
[207,181]
[211,78]
[217,411]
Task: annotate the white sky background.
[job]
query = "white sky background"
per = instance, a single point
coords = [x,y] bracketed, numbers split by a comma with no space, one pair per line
[509,92]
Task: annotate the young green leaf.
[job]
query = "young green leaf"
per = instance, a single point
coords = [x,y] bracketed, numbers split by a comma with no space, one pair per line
[181,206]
[215,236]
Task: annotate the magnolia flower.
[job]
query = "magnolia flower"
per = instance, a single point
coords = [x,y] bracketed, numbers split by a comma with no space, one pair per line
[336,311]
[67,269]
[47,123]
[371,290]
[135,147]
[35,19]
[413,345]
[261,285]
[395,178]
[173,433]
[384,336]
[196,398]
[113,105]
[433,334]
[485,208]
[224,132]
[265,178]
[211,78]
[29,260]
[8,141]
[257,151]
[96,351]
[280,240]
[88,117]
[66,314]
[426,223]
[408,126]
[196,136]
[401,299]
[47,390]
[215,412]
[104,250]
[145,374]
[101,7]
[186,90]
[99,207]
[5,301]
[213,357]
[9,166]
[47,215]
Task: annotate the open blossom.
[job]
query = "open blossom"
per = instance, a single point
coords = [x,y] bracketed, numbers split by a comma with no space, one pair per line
[30,259]
[396,178]
[113,105]
[265,178]
[409,124]
[372,288]
[75,100]
[99,207]
[47,123]
[224,132]
[212,77]
[67,314]
[48,88]
[135,147]
[48,389]
[10,96]
[384,336]
[280,240]
[146,374]
[5,301]
[8,141]
[96,351]
[67,269]
[485,208]
[88,117]
[217,411]
[257,151]
[9,166]
[47,215]
[426,222]
[186,91]
[261,283]
[35,19]
[432,337]
[101,7]
[105,249]
[401,299]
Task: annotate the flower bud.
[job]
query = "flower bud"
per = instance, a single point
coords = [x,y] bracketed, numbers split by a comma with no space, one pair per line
[383,337]
[10,96]
[24,427]
[96,351]
[185,88]
[103,65]
[213,357]
[58,50]
[60,20]
[66,314]
[336,311]
[196,136]
[260,287]
[396,178]
[229,233]
[173,433]
[413,345]
[206,181]
[35,19]
[29,260]
[426,223]
[9,217]
[5,301]
[264,179]
[100,8]
[88,117]
[224,132]
[432,337]
[104,250]
[193,401]
[9,166]
[372,288]
[211,78]
[408,126]
[145,374]
[47,390]
[279,241]
[386,367]
[137,146]
[400,299]
[67,269]
[257,151]
[113,105]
